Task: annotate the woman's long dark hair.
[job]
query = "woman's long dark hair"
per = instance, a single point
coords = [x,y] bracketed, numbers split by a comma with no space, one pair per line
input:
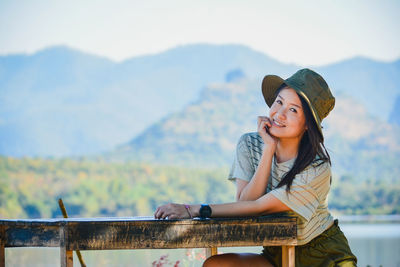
[311,147]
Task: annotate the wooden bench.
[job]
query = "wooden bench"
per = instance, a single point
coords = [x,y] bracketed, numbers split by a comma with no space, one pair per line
[147,233]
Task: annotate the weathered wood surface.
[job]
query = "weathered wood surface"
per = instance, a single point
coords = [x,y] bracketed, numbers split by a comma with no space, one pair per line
[31,233]
[2,246]
[145,232]
[211,252]
[66,256]
[2,255]
[288,255]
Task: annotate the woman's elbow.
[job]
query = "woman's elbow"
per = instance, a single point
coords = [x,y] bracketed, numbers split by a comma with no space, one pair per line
[260,208]
[270,204]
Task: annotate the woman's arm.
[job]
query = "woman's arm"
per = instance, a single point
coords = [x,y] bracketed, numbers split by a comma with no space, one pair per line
[264,205]
[256,187]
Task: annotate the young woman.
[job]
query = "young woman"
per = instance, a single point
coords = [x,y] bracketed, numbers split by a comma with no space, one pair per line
[284,167]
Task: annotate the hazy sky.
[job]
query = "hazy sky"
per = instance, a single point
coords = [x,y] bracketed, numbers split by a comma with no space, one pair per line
[309,32]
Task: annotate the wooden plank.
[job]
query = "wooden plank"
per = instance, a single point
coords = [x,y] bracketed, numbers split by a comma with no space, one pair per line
[263,233]
[291,254]
[285,255]
[142,233]
[66,256]
[2,255]
[2,246]
[288,256]
[211,252]
[97,235]
[31,234]
[131,235]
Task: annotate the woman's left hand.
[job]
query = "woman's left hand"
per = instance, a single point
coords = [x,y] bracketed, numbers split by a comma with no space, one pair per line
[171,211]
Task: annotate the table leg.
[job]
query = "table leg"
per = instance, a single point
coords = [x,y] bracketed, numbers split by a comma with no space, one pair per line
[211,252]
[288,256]
[2,246]
[66,257]
[2,256]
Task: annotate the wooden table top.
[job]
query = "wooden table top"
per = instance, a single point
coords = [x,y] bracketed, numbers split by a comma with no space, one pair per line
[148,233]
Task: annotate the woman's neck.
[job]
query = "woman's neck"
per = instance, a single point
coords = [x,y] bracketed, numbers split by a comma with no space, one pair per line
[286,149]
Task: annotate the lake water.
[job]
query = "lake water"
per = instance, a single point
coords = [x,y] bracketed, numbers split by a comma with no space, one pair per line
[373,244]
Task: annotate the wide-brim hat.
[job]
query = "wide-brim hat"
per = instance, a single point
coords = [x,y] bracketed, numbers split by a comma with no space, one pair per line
[309,85]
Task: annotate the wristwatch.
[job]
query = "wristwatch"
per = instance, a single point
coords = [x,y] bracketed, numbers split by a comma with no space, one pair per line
[205,211]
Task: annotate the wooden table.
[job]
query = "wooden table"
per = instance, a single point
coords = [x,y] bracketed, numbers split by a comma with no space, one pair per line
[147,233]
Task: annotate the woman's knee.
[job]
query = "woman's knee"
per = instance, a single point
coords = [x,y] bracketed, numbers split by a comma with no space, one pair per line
[234,259]
[219,260]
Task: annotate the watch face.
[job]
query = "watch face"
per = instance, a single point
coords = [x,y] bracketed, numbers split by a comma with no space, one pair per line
[205,211]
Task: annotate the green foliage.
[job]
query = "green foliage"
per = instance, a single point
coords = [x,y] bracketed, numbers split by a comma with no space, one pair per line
[30,187]
[350,195]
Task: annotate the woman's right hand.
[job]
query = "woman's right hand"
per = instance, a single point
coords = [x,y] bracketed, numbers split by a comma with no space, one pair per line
[171,211]
[264,123]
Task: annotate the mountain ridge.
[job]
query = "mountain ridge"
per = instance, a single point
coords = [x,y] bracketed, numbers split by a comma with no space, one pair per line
[63,102]
[204,134]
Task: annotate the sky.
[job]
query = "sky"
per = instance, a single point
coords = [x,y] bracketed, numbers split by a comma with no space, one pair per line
[303,32]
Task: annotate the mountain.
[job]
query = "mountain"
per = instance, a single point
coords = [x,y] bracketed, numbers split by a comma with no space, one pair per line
[374,84]
[395,114]
[48,102]
[63,102]
[205,133]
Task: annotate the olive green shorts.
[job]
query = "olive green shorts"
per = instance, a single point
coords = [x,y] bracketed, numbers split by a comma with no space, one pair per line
[328,249]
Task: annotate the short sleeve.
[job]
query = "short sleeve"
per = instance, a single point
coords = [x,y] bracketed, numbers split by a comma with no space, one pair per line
[242,168]
[307,189]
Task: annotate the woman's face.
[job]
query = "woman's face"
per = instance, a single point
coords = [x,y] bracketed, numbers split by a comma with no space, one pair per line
[287,116]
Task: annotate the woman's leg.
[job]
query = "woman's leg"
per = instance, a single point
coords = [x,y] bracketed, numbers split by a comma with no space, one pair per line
[239,260]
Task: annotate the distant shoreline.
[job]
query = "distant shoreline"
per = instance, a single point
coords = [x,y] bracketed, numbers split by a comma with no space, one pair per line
[369,218]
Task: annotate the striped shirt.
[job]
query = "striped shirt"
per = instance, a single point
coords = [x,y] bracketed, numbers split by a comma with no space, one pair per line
[308,197]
